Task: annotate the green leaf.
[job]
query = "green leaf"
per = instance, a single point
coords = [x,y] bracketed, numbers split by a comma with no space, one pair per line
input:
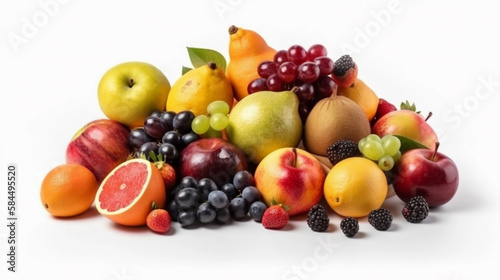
[407,106]
[186,69]
[200,57]
[409,144]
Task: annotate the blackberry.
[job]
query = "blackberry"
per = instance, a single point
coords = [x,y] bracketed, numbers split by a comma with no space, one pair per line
[381,219]
[416,210]
[342,149]
[343,64]
[349,226]
[317,219]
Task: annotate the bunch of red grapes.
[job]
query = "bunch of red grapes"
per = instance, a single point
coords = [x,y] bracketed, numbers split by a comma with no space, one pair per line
[308,70]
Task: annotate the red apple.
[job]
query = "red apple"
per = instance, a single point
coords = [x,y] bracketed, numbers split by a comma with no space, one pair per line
[100,145]
[291,177]
[406,123]
[427,173]
[213,158]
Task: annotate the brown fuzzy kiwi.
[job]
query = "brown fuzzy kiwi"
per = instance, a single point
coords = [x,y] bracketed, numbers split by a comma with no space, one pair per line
[332,119]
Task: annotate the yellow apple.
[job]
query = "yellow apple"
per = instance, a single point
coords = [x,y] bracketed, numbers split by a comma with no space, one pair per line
[129,92]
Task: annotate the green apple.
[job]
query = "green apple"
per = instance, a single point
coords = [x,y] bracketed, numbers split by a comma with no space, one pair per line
[129,92]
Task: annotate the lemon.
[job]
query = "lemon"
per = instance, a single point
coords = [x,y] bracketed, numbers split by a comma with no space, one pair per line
[199,87]
[354,187]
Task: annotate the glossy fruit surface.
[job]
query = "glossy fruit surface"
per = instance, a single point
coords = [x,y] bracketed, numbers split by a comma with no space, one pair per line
[68,190]
[199,87]
[129,92]
[127,194]
[247,50]
[355,186]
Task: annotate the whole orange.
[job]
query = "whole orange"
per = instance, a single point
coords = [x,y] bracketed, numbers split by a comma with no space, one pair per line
[68,190]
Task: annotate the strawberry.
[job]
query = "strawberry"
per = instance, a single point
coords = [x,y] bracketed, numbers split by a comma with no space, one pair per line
[275,217]
[158,220]
[383,108]
[345,71]
[166,170]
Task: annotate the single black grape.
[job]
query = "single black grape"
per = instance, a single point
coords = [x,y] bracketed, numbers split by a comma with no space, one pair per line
[187,217]
[138,137]
[230,190]
[189,138]
[257,210]
[206,213]
[173,210]
[205,187]
[182,121]
[250,194]
[218,199]
[242,179]
[155,127]
[223,215]
[172,137]
[188,182]
[168,118]
[187,198]
[168,152]
[146,149]
[156,113]
[238,208]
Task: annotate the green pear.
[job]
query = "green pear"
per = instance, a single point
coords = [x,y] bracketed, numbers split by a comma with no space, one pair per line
[263,122]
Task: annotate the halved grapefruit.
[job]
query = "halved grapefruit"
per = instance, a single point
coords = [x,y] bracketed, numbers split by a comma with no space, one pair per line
[127,193]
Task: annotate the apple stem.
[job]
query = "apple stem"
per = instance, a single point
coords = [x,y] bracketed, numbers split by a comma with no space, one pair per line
[131,83]
[294,157]
[428,116]
[435,151]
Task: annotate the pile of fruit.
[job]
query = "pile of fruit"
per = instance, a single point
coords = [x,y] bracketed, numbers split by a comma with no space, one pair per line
[266,137]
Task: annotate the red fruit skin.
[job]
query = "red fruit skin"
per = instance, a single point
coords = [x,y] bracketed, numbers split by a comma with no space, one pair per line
[275,217]
[417,173]
[383,108]
[100,145]
[213,158]
[159,220]
[348,78]
[168,175]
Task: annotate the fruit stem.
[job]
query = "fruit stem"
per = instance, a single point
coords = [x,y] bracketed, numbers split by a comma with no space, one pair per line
[131,83]
[428,116]
[435,151]
[294,150]
[295,89]
[232,29]
[212,65]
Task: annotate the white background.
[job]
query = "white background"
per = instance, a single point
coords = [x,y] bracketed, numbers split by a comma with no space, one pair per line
[442,56]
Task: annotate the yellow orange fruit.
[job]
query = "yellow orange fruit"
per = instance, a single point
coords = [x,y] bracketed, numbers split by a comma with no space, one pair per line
[127,194]
[362,95]
[68,190]
[247,49]
[199,87]
[354,187]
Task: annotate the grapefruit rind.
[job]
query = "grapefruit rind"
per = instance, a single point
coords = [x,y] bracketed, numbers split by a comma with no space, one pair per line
[136,212]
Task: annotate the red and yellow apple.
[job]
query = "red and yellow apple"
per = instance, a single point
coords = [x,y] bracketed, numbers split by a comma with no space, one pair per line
[428,173]
[291,177]
[100,145]
[406,123]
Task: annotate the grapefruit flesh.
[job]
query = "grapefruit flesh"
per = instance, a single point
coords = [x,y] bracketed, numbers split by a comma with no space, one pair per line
[127,194]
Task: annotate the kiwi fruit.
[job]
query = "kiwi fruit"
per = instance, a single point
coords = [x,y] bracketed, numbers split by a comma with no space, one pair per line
[332,119]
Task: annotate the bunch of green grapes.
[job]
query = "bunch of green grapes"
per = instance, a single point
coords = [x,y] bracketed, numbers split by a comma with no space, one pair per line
[214,123]
[384,151]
